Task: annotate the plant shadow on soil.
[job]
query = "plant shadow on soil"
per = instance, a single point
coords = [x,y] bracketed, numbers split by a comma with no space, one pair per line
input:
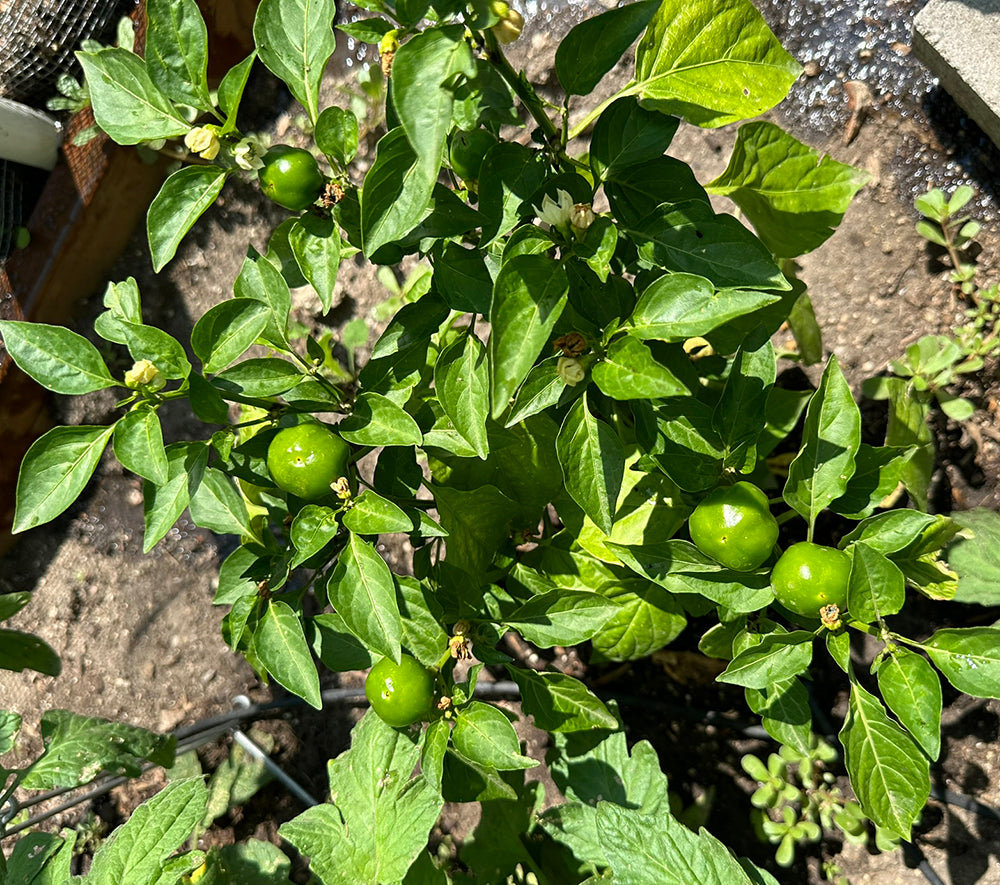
[133,631]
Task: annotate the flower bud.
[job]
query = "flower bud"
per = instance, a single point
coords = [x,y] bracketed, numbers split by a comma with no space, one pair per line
[571,371]
[582,216]
[144,374]
[203,141]
[511,23]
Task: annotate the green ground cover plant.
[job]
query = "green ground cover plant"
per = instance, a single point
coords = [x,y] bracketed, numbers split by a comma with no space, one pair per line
[563,389]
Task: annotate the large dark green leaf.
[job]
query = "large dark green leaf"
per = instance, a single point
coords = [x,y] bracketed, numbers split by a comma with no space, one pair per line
[830,440]
[528,296]
[628,370]
[364,593]
[626,134]
[461,377]
[396,192]
[593,463]
[969,657]
[912,690]
[689,237]
[424,72]
[560,703]
[678,306]
[597,44]
[280,643]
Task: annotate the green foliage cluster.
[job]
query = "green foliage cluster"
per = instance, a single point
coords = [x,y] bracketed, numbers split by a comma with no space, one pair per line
[549,403]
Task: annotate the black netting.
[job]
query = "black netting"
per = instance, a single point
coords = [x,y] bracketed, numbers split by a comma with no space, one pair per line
[38,39]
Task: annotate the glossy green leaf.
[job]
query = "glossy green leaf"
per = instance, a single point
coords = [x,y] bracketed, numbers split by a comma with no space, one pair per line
[635,191]
[396,191]
[784,712]
[138,445]
[316,245]
[689,237]
[461,277]
[231,90]
[597,44]
[337,134]
[908,416]
[484,735]
[259,280]
[627,134]
[889,774]
[646,619]
[969,658]
[628,370]
[528,296]
[912,690]
[877,588]
[541,389]
[127,104]
[687,448]
[793,196]
[215,504]
[830,440]
[312,529]
[740,414]
[516,173]
[79,748]
[412,324]
[371,514]
[712,61]
[136,851]
[176,51]
[280,644]
[678,566]
[225,332]
[55,471]
[182,199]
[877,473]
[335,645]
[561,617]
[295,40]
[593,463]
[778,656]
[892,531]
[363,592]
[423,635]
[162,350]
[378,421]
[379,817]
[266,376]
[163,505]
[560,703]
[57,358]
[461,376]
[678,306]
[424,73]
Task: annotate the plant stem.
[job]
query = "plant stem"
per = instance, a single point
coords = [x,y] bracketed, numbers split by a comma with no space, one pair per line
[522,88]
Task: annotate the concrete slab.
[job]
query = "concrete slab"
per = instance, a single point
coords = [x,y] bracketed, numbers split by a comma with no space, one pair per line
[959,41]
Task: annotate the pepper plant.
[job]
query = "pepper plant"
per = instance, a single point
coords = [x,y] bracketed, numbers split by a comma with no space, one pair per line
[588,358]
